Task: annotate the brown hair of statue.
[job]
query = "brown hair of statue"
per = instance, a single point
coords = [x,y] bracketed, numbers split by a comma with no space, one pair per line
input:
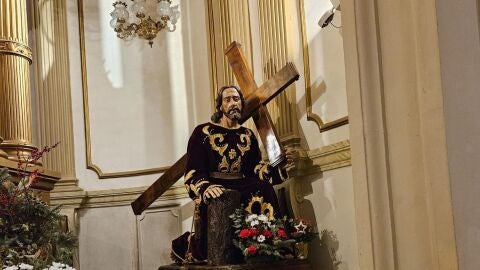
[218,102]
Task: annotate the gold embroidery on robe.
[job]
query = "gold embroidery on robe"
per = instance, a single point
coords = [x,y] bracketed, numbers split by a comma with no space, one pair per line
[236,165]
[213,137]
[195,187]
[232,153]
[224,166]
[262,171]
[265,208]
[246,141]
[188,175]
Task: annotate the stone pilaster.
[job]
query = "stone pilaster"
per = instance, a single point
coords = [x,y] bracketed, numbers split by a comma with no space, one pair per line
[52,80]
[15,58]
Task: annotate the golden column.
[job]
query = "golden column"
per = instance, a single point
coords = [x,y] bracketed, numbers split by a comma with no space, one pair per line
[15,58]
[276,45]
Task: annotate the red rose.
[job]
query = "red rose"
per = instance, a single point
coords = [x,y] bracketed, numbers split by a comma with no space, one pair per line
[254,232]
[281,233]
[251,250]
[267,234]
[244,233]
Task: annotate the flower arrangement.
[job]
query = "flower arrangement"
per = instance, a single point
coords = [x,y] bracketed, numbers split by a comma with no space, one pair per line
[30,230]
[261,237]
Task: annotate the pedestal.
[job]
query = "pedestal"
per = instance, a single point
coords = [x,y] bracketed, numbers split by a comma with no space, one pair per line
[277,265]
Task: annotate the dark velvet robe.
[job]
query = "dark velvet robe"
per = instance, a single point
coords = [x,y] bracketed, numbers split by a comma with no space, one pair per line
[213,148]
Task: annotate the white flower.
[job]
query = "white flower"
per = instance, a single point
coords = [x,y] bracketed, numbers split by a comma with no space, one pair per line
[251,217]
[254,222]
[261,238]
[59,266]
[11,268]
[24,266]
[263,218]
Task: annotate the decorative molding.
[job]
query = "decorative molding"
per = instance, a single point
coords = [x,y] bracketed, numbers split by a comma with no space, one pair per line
[332,156]
[114,197]
[88,145]
[47,178]
[311,116]
[16,48]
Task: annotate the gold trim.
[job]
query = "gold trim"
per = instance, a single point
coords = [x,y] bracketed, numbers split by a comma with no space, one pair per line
[88,149]
[16,48]
[311,116]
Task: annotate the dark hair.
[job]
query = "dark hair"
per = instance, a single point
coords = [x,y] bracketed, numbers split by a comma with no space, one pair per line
[218,102]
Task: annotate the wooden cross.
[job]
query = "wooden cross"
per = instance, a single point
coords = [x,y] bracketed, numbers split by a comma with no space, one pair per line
[255,100]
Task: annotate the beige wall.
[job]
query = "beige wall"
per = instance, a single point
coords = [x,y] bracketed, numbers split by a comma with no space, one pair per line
[459,36]
[121,141]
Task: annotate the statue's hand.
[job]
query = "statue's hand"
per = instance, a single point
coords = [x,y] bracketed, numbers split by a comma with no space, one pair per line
[214,191]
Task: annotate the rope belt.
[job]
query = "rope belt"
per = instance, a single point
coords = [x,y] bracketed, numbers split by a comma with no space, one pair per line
[227,176]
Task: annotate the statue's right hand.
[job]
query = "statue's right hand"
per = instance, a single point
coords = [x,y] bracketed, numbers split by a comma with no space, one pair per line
[214,191]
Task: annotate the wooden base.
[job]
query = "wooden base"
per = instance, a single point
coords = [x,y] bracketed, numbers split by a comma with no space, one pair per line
[276,265]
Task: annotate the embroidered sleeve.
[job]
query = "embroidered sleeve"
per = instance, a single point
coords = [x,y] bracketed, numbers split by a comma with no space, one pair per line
[196,171]
[263,170]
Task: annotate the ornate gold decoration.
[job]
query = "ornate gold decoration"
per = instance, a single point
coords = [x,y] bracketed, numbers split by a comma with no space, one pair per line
[16,48]
[262,171]
[232,153]
[224,166]
[311,116]
[195,187]
[253,201]
[267,210]
[236,165]
[188,175]
[147,28]
[88,145]
[213,137]
[246,141]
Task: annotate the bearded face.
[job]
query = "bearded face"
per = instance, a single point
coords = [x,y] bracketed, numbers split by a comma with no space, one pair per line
[231,104]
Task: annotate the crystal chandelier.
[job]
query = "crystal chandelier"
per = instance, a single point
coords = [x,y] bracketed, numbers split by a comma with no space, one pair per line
[149,18]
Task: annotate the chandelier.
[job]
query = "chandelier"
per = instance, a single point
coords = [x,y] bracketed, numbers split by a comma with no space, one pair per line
[149,18]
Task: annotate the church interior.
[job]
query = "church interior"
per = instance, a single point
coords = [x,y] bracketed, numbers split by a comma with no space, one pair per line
[381,121]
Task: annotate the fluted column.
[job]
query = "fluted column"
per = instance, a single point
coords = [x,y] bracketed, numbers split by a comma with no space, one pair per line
[276,52]
[52,79]
[229,20]
[15,57]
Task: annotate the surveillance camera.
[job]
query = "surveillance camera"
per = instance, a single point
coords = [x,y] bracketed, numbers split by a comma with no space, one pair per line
[327,16]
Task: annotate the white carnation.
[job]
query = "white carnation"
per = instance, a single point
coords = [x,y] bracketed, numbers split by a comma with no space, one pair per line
[263,218]
[254,222]
[251,217]
[24,266]
[261,238]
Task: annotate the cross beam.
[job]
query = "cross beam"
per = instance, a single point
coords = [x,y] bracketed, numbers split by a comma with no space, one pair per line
[255,100]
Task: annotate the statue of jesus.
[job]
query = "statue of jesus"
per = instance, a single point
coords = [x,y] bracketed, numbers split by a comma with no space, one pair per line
[221,155]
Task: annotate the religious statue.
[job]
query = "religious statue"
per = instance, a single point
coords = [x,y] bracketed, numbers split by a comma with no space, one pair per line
[221,155]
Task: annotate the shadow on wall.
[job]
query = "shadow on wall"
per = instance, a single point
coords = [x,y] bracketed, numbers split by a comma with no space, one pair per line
[324,247]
